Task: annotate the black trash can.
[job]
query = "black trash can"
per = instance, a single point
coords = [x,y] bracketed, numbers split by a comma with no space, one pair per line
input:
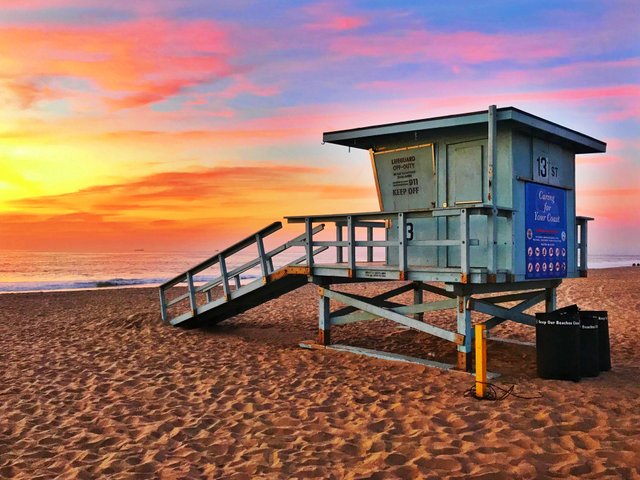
[604,349]
[589,345]
[558,344]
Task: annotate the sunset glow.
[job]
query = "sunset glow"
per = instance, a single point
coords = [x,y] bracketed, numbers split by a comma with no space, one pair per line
[156,125]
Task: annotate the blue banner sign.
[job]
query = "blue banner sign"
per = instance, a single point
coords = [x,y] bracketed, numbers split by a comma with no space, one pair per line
[546,231]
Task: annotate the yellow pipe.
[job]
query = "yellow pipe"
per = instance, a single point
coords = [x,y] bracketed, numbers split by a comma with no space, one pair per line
[481,360]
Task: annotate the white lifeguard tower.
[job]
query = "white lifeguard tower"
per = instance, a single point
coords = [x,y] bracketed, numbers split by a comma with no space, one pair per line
[470,204]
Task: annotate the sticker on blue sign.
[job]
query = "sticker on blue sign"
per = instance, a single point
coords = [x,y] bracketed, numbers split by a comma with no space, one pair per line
[545,231]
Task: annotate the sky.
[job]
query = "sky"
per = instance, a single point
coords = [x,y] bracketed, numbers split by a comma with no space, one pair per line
[183,125]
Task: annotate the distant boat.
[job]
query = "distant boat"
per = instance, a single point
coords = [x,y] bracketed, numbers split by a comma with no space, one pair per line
[139,250]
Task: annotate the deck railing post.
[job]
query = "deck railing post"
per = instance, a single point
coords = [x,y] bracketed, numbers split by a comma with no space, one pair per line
[263,259]
[464,242]
[224,275]
[387,229]
[402,244]
[351,242]
[492,242]
[369,247]
[578,246]
[309,241]
[192,293]
[339,251]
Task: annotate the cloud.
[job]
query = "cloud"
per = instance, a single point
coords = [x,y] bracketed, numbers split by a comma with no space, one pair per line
[420,45]
[329,17]
[231,199]
[200,186]
[131,63]
[26,92]
[610,205]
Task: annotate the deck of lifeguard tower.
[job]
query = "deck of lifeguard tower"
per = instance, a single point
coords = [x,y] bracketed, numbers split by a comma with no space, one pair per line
[456,247]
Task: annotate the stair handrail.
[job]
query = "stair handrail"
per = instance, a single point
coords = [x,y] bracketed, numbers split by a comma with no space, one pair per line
[297,241]
[236,247]
[264,259]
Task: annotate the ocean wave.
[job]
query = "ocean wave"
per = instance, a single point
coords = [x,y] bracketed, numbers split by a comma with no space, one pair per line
[6,287]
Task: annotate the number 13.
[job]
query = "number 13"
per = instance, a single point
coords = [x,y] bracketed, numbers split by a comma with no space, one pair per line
[542,166]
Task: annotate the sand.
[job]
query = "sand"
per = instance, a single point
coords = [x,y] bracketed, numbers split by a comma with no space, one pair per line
[92,385]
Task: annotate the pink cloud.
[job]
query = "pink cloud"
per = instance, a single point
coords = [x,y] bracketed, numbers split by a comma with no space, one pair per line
[616,205]
[325,16]
[36,4]
[338,23]
[599,159]
[468,47]
[132,63]
[151,94]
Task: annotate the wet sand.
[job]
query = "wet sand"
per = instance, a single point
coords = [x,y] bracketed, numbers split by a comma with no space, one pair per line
[93,385]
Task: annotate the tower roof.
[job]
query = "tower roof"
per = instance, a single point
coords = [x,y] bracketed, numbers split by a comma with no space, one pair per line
[380,135]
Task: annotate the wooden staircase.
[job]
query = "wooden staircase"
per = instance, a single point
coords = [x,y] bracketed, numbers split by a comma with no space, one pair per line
[185,304]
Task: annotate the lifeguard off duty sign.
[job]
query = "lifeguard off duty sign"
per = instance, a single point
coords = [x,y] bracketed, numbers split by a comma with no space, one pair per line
[405,178]
[546,231]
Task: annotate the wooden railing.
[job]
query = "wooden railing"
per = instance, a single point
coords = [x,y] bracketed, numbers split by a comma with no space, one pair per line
[229,278]
[581,244]
[375,220]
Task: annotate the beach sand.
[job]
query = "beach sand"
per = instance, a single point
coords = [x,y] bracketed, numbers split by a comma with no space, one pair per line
[93,385]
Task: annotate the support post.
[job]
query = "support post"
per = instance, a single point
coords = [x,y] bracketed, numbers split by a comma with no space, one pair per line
[309,242]
[464,244]
[417,300]
[339,251]
[481,360]
[324,320]
[492,243]
[492,151]
[402,244]
[549,299]
[583,249]
[464,328]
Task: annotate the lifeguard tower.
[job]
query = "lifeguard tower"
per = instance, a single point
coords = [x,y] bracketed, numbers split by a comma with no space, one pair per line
[471,204]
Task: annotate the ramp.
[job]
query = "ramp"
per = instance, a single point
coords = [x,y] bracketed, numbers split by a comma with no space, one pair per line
[187,300]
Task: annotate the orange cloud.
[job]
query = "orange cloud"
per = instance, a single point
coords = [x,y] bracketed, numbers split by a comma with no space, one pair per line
[27,92]
[167,209]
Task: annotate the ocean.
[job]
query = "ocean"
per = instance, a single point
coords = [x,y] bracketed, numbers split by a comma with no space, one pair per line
[22,271]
